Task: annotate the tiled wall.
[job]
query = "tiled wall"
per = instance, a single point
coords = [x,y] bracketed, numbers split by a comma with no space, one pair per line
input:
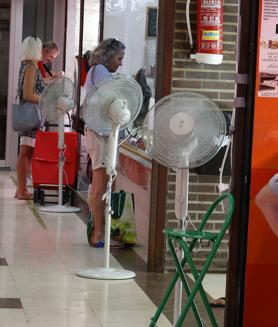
[216,82]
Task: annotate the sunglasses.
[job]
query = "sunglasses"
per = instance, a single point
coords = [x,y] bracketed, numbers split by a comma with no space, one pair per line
[115,43]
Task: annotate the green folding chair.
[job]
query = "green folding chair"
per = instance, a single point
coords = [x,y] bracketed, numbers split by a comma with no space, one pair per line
[186,240]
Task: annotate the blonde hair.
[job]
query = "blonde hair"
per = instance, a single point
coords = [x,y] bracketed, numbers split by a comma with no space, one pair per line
[31,48]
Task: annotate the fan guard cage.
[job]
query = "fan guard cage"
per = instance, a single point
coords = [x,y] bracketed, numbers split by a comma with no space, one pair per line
[59,87]
[96,104]
[175,150]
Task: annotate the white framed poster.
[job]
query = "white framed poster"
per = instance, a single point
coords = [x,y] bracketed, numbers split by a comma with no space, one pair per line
[268,55]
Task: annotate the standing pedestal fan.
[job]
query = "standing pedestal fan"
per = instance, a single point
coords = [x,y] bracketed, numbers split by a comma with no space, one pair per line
[182,131]
[108,109]
[56,100]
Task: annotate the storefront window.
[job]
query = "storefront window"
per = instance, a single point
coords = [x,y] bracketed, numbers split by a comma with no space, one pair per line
[90,40]
[134,22]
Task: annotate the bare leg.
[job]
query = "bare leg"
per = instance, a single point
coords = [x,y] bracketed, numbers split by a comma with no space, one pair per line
[99,184]
[267,201]
[22,168]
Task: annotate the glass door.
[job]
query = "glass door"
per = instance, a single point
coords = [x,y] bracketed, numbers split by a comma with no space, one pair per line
[86,41]
[4,72]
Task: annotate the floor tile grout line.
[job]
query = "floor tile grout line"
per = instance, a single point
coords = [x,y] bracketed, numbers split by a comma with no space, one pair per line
[32,207]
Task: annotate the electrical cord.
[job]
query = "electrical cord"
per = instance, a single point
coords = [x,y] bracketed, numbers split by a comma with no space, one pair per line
[130,135]
[222,186]
[189,24]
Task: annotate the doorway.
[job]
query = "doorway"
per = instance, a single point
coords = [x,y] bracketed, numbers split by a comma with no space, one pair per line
[4,71]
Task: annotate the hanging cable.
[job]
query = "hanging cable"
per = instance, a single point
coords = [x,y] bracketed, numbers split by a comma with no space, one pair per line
[189,24]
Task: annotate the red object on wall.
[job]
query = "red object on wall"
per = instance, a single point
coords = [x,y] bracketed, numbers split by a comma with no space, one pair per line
[46,157]
[209,48]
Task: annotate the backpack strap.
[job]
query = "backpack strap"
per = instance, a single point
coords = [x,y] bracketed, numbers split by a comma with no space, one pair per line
[93,71]
[20,86]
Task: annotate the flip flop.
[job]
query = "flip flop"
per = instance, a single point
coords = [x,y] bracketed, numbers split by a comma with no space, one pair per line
[113,244]
[98,245]
[25,196]
[218,303]
[16,194]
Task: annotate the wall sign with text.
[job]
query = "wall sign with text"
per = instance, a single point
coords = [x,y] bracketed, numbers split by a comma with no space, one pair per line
[268,56]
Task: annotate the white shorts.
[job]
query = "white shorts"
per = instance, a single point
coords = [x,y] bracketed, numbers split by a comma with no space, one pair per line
[27,140]
[96,146]
[273,184]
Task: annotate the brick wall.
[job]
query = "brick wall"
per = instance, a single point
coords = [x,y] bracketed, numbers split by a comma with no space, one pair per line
[217,83]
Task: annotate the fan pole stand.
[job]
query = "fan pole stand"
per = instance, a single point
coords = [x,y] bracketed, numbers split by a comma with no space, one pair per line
[181,211]
[60,208]
[106,272]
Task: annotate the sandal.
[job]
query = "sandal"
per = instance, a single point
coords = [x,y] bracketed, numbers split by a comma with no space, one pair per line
[113,244]
[25,196]
[98,245]
[16,193]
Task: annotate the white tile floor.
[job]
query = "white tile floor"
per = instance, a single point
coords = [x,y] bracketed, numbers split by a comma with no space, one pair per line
[43,258]
[42,263]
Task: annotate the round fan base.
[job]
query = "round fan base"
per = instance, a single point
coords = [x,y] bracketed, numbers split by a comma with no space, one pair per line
[106,273]
[59,208]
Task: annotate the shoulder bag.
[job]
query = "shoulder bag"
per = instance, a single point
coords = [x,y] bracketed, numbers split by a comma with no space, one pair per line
[26,116]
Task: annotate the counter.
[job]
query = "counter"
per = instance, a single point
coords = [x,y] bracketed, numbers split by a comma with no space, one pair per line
[134,175]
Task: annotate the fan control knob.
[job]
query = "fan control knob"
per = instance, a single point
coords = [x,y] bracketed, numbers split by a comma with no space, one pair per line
[118,112]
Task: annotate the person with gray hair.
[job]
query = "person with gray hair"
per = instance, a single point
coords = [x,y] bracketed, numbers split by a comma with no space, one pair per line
[106,58]
[48,49]
[30,88]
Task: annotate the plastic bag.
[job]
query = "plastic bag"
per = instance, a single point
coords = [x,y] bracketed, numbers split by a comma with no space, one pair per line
[123,227]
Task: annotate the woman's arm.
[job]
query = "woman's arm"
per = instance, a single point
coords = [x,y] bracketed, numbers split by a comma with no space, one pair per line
[267,201]
[28,84]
